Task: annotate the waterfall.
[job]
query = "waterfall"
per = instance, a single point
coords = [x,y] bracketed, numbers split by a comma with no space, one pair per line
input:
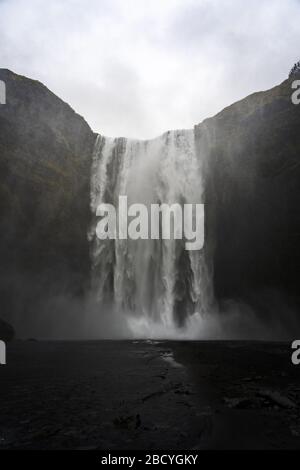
[157,284]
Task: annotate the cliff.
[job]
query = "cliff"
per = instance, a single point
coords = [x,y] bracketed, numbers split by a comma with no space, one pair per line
[252,172]
[45,159]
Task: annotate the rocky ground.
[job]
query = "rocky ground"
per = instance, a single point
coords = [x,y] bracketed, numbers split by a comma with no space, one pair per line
[149,395]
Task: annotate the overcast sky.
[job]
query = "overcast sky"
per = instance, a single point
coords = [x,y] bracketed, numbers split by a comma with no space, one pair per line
[137,68]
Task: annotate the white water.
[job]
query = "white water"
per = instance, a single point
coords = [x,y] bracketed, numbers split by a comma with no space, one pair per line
[161,288]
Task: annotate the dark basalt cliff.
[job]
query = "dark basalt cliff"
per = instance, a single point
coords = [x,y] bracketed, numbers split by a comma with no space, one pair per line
[252,168]
[45,160]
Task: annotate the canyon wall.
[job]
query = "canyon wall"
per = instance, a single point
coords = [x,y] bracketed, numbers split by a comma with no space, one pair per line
[45,160]
[252,196]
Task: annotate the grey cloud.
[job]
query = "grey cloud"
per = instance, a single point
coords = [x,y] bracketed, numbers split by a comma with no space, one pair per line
[137,68]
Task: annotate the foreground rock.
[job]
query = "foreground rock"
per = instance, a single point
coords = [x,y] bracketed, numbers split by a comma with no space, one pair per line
[6,331]
[125,395]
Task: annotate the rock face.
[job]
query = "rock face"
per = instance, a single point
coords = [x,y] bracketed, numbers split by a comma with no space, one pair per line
[6,331]
[252,199]
[45,159]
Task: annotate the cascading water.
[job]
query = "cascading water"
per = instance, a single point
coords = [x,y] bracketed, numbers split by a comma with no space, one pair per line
[161,287]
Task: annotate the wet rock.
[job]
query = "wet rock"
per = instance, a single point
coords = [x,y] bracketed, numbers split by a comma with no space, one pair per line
[7,332]
[240,402]
[138,421]
[263,399]
[277,399]
[295,431]
[124,422]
